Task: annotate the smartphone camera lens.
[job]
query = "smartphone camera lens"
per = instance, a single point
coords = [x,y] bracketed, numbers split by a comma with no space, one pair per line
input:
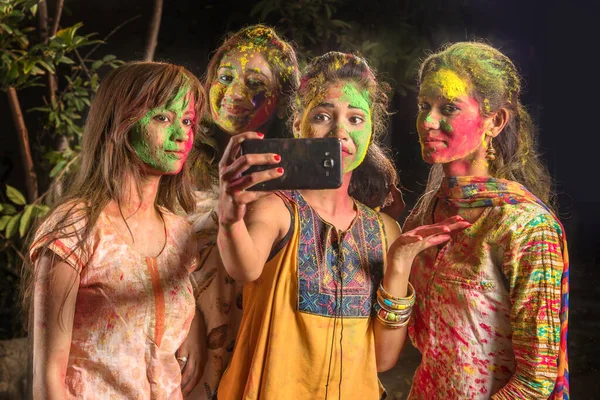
[328,163]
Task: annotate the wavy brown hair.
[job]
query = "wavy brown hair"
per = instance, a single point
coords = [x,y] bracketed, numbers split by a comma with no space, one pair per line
[124,96]
[373,178]
[495,84]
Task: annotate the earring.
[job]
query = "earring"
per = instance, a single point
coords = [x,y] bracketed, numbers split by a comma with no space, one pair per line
[490,152]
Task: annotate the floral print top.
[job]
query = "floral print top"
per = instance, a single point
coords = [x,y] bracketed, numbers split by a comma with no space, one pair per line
[486,320]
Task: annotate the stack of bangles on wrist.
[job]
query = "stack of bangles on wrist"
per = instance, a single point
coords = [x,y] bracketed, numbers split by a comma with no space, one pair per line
[394,312]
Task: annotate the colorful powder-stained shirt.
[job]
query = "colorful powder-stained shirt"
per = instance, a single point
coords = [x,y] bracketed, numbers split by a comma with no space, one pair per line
[303,335]
[486,320]
[132,312]
[219,297]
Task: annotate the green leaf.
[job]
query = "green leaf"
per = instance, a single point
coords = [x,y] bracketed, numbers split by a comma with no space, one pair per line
[48,67]
[33,9]
[6,28]
[13,225]
[97,64]
[15,196]
[8,209]
[4,221]
[109,57]
[57,168]
[41,210]
[66,60]
[25,219]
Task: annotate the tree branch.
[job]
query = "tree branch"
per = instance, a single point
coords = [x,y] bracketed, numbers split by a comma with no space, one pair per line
[152,39]
[12,245]
[89,53]
[29,169]
[43,34]
[57,15]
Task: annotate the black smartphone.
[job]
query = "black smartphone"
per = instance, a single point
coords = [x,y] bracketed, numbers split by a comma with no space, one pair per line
[307,163]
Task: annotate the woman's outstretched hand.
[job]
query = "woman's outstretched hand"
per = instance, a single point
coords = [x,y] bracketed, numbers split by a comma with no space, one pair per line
[406,247]
[233,196]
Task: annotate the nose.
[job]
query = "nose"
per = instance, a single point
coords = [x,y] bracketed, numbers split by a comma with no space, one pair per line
[339,131]
[431,121]
[235,91]
[181,132]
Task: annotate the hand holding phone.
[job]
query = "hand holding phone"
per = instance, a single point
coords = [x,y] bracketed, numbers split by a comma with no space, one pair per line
[307,163]
[233,184]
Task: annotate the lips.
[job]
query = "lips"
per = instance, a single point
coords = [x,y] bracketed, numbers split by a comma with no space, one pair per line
[234,110]
[346,151]
[177,154]
[432,141]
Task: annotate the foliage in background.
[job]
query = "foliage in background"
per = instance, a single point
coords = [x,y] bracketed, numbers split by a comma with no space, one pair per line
[24,59]
[317,26]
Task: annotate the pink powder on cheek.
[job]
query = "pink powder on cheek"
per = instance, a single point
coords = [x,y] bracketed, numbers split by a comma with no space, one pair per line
[265,107]
[461,134]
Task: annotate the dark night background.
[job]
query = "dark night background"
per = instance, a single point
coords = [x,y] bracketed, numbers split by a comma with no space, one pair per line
[553,43]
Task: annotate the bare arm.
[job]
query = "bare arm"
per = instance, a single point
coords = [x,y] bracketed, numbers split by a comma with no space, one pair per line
[249,222]
[245,245]
[402,250]
[389,342]
[194,349]
[53,311]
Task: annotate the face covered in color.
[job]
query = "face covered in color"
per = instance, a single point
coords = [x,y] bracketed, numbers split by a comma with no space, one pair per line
[449,122]
[163,138]
[244,93]
[342,111]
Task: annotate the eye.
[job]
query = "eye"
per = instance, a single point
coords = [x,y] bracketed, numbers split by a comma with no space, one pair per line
[424,107]
[225,79]
[188,121]
[450,109]
[254,83]
[356,120]
[162,118]
[321,117]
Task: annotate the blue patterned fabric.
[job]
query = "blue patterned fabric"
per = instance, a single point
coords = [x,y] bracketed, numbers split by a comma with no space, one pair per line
[322,249]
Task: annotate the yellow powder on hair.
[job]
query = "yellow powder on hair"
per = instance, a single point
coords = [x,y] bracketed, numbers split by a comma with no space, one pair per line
[448,82]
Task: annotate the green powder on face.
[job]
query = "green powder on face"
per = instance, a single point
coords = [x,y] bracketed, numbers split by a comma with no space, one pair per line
[154,147]
[361,137]
[445,126]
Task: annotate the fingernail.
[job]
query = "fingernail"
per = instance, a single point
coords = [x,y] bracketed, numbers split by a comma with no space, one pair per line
[277,157]
[460,218]
[260,135]
[280,170]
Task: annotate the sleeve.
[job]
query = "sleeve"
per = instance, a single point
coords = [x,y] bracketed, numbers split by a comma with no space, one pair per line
[533,265]
[62,233]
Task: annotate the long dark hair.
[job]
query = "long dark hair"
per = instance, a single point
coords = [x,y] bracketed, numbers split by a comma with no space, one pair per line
[495,84]
[107,157]
[374,177]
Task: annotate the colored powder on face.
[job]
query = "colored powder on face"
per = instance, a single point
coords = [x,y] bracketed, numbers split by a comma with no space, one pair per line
[255,97]
[449,84]
[445,126]
[154,148]
[361,137]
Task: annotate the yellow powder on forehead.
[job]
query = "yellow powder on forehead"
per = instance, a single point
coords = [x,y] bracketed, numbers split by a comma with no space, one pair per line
[447,82]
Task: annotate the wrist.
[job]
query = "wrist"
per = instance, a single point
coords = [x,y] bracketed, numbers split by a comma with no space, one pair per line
[229,228]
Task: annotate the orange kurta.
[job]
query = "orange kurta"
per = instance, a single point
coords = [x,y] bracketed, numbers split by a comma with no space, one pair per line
[131,314]
[303,334]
